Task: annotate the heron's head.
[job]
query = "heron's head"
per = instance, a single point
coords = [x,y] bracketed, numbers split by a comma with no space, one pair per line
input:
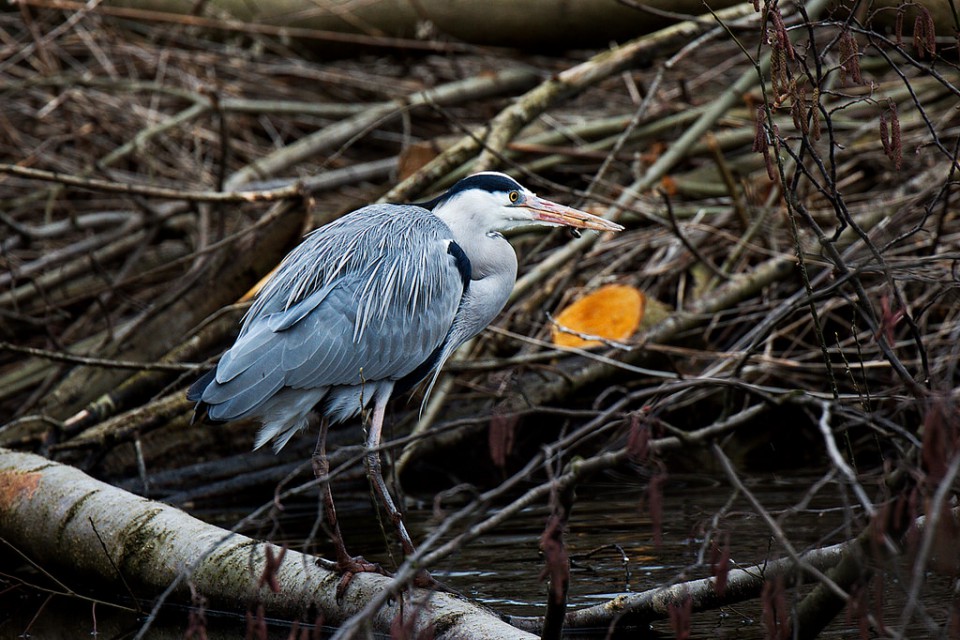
[492,201]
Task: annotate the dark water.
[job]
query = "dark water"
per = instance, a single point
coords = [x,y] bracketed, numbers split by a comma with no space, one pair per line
[612,543]
[502,570]
[611,540]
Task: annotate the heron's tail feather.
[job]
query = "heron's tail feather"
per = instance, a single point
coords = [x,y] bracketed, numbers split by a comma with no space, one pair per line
[195,392]
[285,414]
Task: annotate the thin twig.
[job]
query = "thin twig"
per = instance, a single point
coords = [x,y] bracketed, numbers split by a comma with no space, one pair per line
[106,363]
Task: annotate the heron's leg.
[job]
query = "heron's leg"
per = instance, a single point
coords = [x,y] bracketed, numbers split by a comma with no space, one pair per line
[346,564]
[321,469]
[375,471]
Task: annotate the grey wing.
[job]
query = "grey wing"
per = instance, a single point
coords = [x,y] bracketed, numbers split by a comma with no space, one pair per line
[377,318]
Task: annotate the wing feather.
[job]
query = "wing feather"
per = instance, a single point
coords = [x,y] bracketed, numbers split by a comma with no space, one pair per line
[369,297]
[244,392]
[283,320]
[246,351]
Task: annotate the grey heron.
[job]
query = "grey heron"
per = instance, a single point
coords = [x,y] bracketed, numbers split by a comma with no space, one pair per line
[369,305]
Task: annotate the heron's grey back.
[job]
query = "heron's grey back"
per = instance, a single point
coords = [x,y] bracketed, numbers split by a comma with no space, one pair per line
[367,298]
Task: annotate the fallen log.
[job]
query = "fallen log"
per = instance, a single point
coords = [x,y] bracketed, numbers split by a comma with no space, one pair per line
[531,25]
[61,518]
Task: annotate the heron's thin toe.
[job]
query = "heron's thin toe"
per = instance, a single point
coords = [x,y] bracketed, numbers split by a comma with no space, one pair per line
[350,567]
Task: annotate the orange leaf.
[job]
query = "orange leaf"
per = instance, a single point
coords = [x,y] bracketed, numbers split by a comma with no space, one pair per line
[669,185]
[653,153]
[415,157]
[612,312]
[251,294]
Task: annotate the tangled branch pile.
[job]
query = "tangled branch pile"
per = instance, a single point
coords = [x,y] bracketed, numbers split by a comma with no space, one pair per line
[788,181]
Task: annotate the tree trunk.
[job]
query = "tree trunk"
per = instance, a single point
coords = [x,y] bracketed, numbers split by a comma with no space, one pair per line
[527,25]
[59,516]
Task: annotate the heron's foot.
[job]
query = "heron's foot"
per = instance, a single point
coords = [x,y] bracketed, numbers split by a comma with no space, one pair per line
[348,567]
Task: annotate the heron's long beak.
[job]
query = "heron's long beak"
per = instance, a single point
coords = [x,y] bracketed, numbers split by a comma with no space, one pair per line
[558,214]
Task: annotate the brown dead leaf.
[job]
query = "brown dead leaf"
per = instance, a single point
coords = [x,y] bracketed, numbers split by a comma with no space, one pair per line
[255,289]
[669,185]
[612,312]
[415,157]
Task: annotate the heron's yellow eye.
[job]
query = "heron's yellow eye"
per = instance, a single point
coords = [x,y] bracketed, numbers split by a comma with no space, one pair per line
[514,196]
